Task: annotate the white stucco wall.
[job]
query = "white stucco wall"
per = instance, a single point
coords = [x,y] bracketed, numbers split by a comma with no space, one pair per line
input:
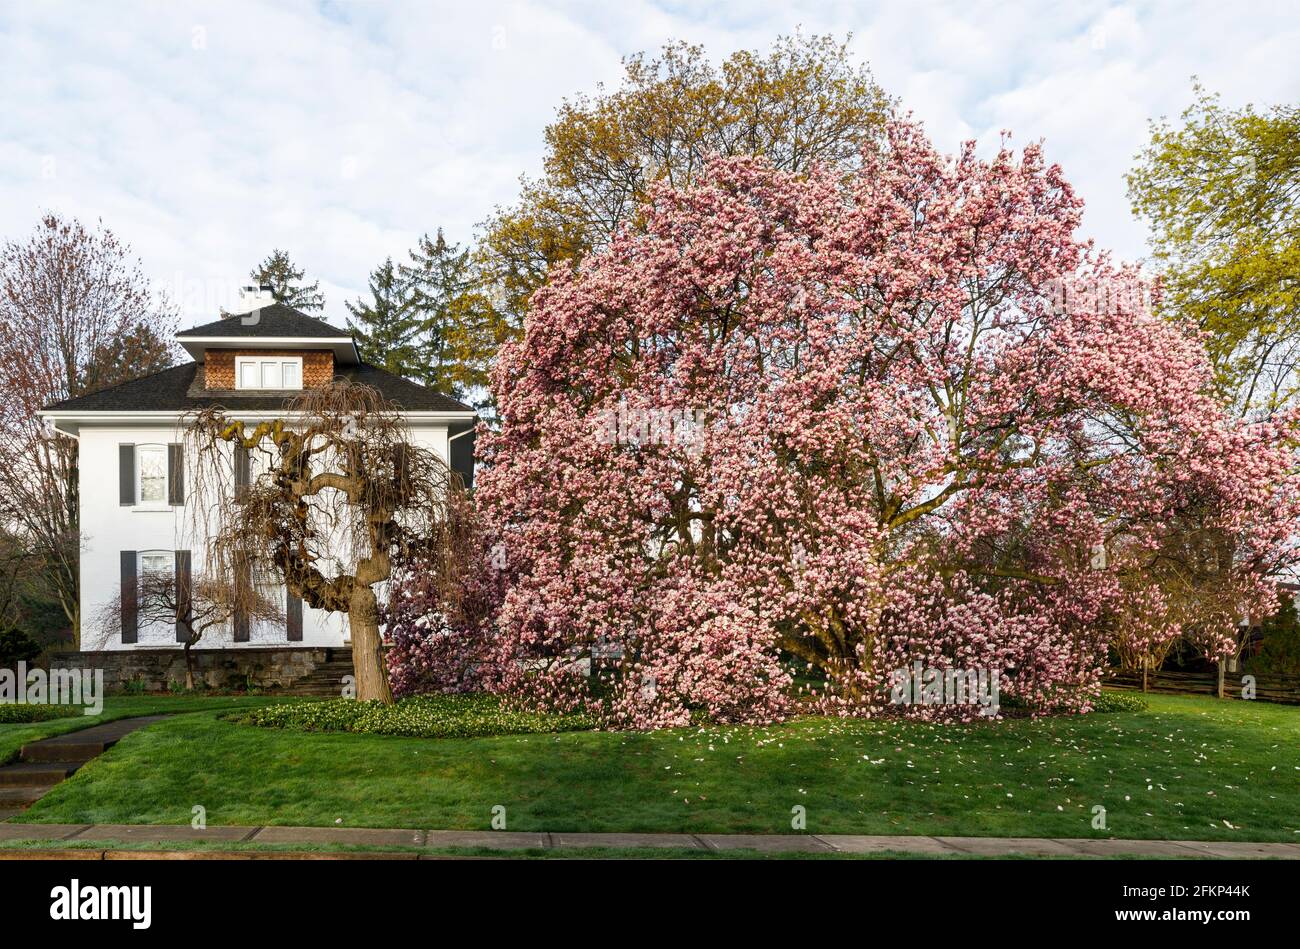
[109,527]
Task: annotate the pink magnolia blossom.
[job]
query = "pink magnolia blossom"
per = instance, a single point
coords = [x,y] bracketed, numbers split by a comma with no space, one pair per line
[918,430]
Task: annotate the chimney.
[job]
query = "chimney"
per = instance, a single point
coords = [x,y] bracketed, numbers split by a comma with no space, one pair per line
[253,298]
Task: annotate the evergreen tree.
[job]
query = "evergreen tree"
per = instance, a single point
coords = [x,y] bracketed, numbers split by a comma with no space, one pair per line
[1279,651]
[454,319]
[279,273]
[384,327]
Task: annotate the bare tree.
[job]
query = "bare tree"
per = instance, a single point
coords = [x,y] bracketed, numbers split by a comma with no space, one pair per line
[193,607]
[16,565]
[337,493]
[76,315]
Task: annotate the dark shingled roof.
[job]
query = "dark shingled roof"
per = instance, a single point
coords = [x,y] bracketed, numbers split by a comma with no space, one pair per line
[274,320]
[181,388]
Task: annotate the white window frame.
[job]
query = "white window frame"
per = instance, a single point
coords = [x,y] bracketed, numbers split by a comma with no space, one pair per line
[144,641]
[260,362]
[163,503]
[168,555]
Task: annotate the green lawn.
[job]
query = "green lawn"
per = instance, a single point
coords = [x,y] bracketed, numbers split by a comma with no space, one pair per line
[1187,769]
[14,736]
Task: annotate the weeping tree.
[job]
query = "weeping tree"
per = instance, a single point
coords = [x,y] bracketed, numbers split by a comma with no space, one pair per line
[331,497]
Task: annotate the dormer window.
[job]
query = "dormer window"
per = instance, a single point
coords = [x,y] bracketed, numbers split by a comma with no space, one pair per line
[268,372]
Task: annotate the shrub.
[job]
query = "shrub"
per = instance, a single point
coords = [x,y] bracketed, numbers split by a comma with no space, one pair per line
[1279,651]
[17,646]
[1119,702]
[11,714]
[426,716]
[134,686]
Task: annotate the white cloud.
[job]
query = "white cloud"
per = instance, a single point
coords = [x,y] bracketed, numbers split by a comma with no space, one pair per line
[206,135]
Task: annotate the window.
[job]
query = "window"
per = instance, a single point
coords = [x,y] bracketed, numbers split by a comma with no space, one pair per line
[258,372]
[151,468]
[155,561]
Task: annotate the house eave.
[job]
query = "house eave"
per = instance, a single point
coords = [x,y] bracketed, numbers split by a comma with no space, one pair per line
[70,422]
[343,347]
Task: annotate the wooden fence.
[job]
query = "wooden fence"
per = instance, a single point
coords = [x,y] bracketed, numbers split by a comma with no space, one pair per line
[1268,688]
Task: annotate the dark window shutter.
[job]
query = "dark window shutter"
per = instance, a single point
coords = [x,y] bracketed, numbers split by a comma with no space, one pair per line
[126,474]
[241,471]
[239,622]
[129,597]
[183,593]
[175,474]
[293,616]
[462,458]
[401,466]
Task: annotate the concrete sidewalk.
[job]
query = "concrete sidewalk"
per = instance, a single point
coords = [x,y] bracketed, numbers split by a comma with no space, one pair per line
[765,843]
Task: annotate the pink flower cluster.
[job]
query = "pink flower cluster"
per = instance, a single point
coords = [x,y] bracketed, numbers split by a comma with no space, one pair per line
[914,447]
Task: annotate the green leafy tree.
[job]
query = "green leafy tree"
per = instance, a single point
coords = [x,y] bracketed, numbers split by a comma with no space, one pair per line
[1221,193]
[279,273]
[457,330]
[1279,650]
[805,101]
[384,327]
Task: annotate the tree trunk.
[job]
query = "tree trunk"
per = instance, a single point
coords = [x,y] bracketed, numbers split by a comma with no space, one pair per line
[1222,664]
[367,647]
[189,667]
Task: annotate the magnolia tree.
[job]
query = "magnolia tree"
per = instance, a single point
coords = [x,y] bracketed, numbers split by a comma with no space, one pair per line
[436,622]
[845,426]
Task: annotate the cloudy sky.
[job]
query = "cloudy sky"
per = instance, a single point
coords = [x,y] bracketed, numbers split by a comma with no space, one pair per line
[207,134]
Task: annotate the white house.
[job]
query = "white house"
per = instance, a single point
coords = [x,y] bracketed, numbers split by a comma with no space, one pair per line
[132,464]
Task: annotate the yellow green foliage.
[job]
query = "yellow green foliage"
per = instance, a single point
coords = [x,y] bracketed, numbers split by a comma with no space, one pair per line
[802,102]
[1221,192]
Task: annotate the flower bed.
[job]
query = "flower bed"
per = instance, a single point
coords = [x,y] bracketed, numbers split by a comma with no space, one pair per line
[425,716]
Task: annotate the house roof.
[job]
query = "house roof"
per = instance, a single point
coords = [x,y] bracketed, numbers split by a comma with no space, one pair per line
[181,389]
[274,326]
[276,320]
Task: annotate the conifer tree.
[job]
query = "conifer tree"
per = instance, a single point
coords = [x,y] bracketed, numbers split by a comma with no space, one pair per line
[384,327]
[279,273]
[456,334]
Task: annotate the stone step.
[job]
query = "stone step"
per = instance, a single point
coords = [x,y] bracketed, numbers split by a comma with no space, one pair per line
[23,794]
[319,680]
[30,773]
[81,746]
[314,693]
[69,751]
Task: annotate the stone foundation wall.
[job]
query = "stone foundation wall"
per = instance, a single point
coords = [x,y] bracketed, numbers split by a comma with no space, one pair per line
[231,669]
